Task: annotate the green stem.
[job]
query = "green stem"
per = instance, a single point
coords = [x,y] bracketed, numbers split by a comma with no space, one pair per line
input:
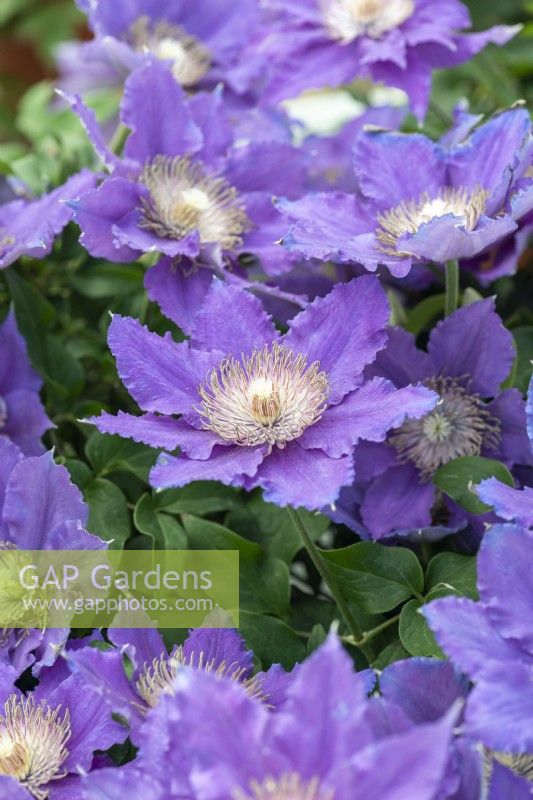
[118,140]
[369,635]
[452,287]
[325,573]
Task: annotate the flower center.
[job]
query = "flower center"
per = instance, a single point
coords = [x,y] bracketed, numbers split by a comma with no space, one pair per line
[190,58]
[460,425]
[184,198]
[158,677]
[409,216]
[269,397]
[521,765]
[287,787]
[346,20]
[32,743]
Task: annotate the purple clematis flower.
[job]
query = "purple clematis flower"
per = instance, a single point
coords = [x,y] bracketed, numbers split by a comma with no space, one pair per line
[201,42]
[258,408]
[425,689]
[506,785]
[184,187]
[314,43]
[48,736]
[28,227]
[420,201]
[469,355]
[212,741]
[492,642]
[218,651]
[513,505]
[40,509]
[23,419]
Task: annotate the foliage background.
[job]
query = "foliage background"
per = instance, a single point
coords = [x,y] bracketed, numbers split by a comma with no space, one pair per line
[62,306]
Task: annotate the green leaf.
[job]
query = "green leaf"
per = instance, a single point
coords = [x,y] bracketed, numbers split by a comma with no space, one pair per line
[108,512]
[108,280]
[80,472]
[199,498]
[264,580]
[272,640]
[205,535]
[375,577]
[34,315]
[454,573]
[425,312]
[166,531]
[415,634]
[272,527]
[523,337]
[395,651]
[317,637]
[108,454]
[459,477]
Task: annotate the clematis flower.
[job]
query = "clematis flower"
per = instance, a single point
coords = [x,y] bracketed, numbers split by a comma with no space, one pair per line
[425,689]
[257,408]
[513,505]
[469,355]
[491,641]
[211,740]
[218,651]
[29,226]
[420,201]
[184,188]
[201,42]
[23,419]
[40,509]
[314,43]
[48,736]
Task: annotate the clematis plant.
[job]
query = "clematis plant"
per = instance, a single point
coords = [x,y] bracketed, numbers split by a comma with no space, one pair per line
[201,42]
[394,488]
[258,408]
[420,201]
[315,43]
[218,651]
[491,642]
[40,509]
[184,188]
[23,419]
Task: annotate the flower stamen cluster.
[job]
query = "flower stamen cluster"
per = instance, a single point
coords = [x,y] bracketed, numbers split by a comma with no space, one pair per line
[460,425]
[409,216]
[287,787]
[184,198]
[347,20]
[158,677]
[270,397]
[190,58]
[33,743]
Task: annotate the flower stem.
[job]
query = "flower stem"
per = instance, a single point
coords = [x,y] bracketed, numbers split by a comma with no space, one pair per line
[452,287]
[325,573]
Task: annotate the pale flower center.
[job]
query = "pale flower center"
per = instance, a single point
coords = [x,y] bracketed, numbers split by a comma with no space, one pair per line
[460,425]
[33,743]
[409,216]
[185,198]
[190,58]
[287,787]
[270,397]
[158,677]
[346,20]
